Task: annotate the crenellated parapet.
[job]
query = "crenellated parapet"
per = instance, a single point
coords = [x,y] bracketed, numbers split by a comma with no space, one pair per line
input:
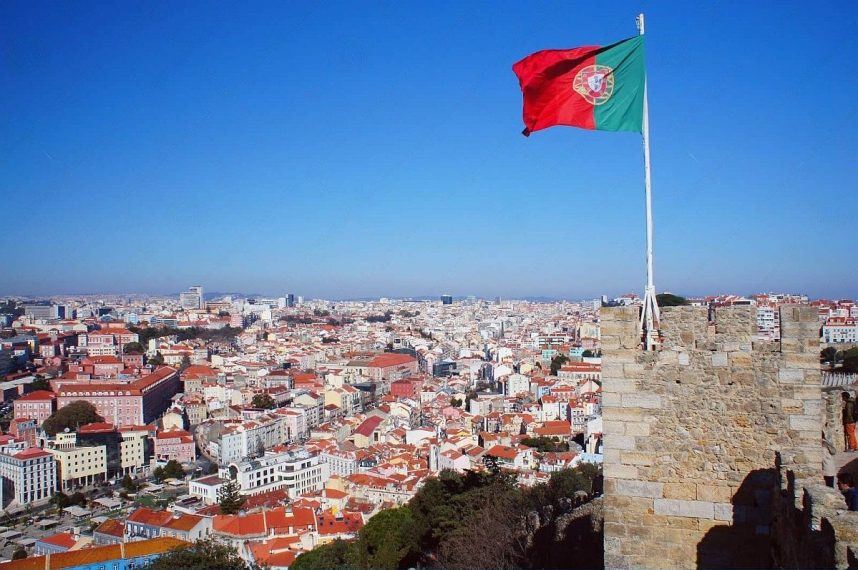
[702,434]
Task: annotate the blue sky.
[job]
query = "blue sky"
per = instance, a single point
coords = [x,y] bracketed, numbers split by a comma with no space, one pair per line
[360,149]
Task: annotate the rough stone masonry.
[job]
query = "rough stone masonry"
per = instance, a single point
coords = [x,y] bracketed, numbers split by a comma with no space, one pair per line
[702,435]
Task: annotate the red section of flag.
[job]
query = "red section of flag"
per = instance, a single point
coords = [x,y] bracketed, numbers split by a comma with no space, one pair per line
[546,83]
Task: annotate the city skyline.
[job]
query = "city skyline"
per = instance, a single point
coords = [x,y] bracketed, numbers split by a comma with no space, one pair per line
[302,145]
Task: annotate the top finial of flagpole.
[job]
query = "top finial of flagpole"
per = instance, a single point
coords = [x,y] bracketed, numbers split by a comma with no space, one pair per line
[639,20]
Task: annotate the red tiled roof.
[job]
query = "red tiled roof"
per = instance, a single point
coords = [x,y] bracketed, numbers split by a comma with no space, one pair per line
[96,427]
[37,396]
[30,453]
[195,371]
[368,426]
[64,539]
[136,388]
[95,555]
[112,527]
[390,359]
[150,517]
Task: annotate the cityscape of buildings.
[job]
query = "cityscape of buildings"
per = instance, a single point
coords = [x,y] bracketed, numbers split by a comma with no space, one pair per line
[319,413]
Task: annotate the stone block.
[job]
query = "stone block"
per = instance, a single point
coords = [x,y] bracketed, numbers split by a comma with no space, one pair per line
[619,471]
[719,360]
[714,493]
[640,489]
[686,491]
[791,375]
[611,426]
[619,386]
[680,508]
[633,370]
[723,512]
[683,359]
[805,423]
[611,399]
[645,401]
[621,442]
[637,429]
[634,458]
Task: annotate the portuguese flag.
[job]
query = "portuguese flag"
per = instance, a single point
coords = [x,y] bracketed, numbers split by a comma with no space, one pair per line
[590,87]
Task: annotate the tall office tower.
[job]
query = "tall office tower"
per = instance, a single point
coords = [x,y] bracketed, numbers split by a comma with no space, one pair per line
[192,298]
[290,300]
[446,299]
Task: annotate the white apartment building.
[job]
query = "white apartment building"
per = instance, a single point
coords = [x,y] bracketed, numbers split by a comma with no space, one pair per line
[516,384]
[840,330]
[340,462]
[247,438]
[769,323]
[27,477]
[297,472]
[303,473]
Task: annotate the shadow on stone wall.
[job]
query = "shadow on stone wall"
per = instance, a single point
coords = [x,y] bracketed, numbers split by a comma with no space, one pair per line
[746,542]
[572,540]
[768,530]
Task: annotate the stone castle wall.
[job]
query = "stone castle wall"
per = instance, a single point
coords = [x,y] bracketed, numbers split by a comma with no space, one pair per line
[705,436]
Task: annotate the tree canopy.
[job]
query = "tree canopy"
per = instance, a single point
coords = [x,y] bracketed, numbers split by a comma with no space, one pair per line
[172,470]
[670,300]
[557,362]
[72,416]
[41,383]
[230,499]
[850,360]
[205,554]
[475,520]
[133,347]
[263,401]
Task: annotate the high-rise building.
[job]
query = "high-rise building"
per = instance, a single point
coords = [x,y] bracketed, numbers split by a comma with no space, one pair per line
[39,312]
[446,299]
[192,298]
[290,300]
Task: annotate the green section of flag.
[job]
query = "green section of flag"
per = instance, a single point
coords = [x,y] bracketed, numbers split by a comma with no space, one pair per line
[623,111]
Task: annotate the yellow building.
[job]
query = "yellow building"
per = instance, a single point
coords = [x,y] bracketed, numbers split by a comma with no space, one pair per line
[132,449]
[78,466]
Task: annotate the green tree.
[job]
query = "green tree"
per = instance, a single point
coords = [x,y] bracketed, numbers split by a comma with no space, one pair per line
[60,500]
[41,383]
[133,348]
[128,483]
[850,360]
[456,402]
[186,362]
[544,443]
[670,300]
[557,362]
[263,401]
[72,416]
[19,554]
[157,360]
[588,353]
[828,354]
[173,470]
[205,554]
[387,539]
[229,498]
[77,498]
[337,555]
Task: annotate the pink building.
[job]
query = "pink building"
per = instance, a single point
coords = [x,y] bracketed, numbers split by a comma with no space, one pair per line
[407,388]
[135,403]
[175,444]
[392,366]
[38,405]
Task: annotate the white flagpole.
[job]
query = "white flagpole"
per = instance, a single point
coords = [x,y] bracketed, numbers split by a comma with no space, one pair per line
[649,314]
